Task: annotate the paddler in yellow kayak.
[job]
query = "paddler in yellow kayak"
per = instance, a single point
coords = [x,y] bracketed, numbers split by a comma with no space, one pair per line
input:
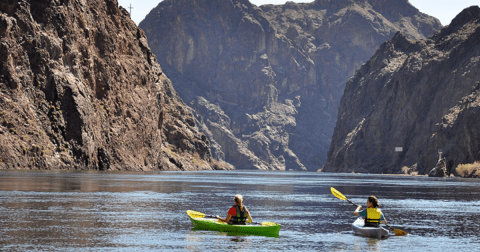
[238,213]
[372,215]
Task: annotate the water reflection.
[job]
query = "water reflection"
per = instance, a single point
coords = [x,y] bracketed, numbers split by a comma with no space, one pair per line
[367,244]
[196,240]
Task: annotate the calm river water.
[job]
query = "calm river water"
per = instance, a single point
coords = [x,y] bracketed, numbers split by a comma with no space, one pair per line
[90,211]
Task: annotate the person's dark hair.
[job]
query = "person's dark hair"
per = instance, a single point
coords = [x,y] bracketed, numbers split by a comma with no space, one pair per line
[374,201]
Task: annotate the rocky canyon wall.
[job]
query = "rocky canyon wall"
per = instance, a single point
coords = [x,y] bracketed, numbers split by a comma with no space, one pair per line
[81,89]
[420,95]
[265,82]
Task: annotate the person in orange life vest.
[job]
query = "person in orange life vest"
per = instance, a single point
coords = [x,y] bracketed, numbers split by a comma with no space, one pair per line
[238,213]
[372,215]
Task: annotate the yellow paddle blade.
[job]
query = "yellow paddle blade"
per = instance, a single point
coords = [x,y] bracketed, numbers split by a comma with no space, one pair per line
[195,214]
[268,223]
[399,232]
[338,194]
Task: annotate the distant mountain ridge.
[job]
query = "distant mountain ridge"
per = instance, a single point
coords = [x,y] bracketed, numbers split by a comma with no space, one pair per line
[421,95]
[265,82]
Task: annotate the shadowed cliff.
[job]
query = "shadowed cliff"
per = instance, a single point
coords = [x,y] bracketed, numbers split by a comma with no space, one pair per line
[265,82]
[421,95]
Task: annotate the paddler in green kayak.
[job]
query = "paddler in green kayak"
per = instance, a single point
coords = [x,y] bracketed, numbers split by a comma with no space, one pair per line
[238,213]
[372,215]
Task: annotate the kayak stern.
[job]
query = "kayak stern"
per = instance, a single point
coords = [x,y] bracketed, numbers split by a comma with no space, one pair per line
[375,232]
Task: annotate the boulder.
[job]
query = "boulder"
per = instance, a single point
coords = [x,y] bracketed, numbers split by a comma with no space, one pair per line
[440,170]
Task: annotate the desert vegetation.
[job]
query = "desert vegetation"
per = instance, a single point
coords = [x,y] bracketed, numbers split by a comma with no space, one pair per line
[469,170]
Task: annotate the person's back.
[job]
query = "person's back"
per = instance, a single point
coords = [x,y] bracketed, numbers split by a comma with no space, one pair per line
[373,218]
[238,213]
[373,215]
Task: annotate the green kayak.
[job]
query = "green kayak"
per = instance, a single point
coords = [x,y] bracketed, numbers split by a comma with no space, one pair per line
[201,221]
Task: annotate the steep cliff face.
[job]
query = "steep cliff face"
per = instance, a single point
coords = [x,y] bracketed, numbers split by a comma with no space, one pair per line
[266,82]
[421,95]
[80,89]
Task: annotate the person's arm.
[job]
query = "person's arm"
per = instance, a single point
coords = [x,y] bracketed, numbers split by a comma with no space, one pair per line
[226,220]
[383,220]
[249,217]
[357,211]
[230,213]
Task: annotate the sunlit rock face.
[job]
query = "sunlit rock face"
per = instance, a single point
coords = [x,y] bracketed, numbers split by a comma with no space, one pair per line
[420,95]
[265,82]
[81,89]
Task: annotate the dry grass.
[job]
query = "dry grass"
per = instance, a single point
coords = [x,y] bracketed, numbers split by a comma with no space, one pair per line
[197,160]
[407,171]
[219,165]
[468,170]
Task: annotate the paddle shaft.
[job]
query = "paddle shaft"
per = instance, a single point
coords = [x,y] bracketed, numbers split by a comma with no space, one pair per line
[248,222]
[202,215]
[390,226]
[351,202]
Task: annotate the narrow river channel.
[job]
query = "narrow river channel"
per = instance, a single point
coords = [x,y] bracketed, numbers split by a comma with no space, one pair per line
[125,211]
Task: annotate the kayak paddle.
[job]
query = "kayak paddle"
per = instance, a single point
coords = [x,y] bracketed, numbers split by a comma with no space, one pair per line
[339,195]
[195,214]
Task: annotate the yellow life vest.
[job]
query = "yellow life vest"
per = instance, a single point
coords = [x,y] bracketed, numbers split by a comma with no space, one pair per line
[373,215]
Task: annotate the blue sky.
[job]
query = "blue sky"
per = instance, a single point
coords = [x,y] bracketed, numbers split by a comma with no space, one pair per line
[444,10]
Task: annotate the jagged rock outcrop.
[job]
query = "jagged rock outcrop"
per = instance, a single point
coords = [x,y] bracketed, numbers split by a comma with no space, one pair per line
[440,169]
[266,81]
[81,89]
[421,95]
